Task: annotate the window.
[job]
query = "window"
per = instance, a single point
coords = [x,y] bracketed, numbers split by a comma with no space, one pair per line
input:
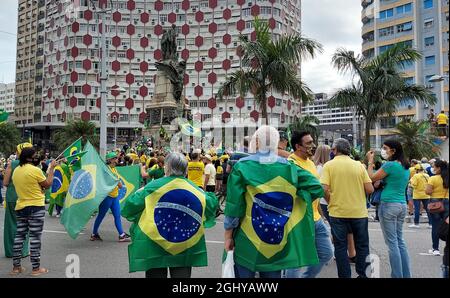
[385,48]
[428,23]
[430,60]
[429,41]
[404,27]
[386,31]
[388,13]
[246,12]
[404,8]
[427,4]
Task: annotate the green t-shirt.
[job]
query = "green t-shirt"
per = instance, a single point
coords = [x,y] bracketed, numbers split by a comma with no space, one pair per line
[156,173]
[11,195]
[396,182]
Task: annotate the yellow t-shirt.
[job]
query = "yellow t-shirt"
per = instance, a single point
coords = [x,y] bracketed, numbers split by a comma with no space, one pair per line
[439,192]
[219,170]
[412,172]
[441,119]
[115,192]
[195,172]
[418,183]
[143,158]
[346,178]
[26,180]
[309,166]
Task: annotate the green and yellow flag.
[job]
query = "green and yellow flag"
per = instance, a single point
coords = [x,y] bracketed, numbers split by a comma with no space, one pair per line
[60,186]
[73,154]
[169,216]
[131,178]
[3,116]
[88,188]
[273,202]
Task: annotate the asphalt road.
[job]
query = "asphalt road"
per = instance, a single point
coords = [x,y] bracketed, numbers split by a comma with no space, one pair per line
[110,259]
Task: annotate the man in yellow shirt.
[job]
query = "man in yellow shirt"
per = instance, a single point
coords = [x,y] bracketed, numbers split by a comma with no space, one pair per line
[111,202]
[418,183]
[346,185]
[442,122]
[304,146]
[196,169]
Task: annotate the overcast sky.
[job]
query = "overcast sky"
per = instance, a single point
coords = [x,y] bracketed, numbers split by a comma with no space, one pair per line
[334,23]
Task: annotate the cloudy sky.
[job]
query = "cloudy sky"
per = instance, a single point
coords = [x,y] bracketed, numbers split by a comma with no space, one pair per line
[334,23]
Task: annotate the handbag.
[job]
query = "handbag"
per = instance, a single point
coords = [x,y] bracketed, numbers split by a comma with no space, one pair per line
[375,197]
[228,266]
[436,207]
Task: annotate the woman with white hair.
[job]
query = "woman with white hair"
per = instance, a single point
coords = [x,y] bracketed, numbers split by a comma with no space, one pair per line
[266,198]
[169,216]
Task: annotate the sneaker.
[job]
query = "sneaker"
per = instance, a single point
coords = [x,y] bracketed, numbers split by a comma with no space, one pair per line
[95,237]
[125,238]
[430,227]
[414,226]
[58,215]
[434,252]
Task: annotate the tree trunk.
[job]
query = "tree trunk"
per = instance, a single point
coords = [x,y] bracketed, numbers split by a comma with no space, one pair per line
[367,135]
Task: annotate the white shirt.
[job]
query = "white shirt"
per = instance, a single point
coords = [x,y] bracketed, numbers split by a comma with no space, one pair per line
[211,171]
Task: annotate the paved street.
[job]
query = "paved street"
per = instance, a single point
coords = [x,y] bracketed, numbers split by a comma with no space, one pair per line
[109,258]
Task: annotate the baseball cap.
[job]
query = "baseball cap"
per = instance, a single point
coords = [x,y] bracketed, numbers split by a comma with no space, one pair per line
[20,147]
[111,155]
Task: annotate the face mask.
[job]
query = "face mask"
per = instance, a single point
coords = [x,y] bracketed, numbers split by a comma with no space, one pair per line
[384,154]
[433,171]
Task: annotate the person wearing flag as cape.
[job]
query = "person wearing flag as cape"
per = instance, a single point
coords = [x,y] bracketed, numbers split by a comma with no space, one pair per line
[268,214]
[169,216]
[10,226]
[110,202]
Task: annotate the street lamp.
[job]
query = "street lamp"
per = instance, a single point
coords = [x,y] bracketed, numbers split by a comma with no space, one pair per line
[437,79]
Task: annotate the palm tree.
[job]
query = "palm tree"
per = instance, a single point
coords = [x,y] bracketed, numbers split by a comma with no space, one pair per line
[379,87]
[307,123]
[9,138]
[74,130]
[270,65]
[416,138]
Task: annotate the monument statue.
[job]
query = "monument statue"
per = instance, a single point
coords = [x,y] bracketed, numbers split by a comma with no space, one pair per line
[170,66]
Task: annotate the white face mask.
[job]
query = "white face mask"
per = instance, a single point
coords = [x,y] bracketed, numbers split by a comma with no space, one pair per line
[433,171]
[384,154]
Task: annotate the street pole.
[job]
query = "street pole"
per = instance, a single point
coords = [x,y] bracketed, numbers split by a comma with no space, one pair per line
[354,130]
[103,92]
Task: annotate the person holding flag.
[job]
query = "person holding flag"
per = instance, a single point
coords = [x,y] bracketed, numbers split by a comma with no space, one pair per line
[10,226]
[268,214]
[111,202]
[169,216]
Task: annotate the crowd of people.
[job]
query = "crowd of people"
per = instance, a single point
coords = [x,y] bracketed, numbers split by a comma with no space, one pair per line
[291,206]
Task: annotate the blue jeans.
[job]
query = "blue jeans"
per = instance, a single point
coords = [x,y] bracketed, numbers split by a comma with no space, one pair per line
[436,220]
[392,217]
[340,228]
[324,249]
[242,272]
[417,210]
[444,271]
[114,205]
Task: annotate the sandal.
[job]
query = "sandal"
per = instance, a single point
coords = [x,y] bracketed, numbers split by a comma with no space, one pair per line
[18,270]
[39,272]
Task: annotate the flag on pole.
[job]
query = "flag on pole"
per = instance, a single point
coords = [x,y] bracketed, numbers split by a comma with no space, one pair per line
[89,187]
[130,176]
[60,186]
[71,153]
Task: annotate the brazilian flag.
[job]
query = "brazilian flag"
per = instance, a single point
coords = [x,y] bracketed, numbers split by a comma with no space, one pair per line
[169,216]
[131,178]
[274,203]
[60,185]
[88,188]
[73,154]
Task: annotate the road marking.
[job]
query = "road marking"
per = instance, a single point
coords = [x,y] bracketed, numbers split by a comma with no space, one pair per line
[379,230]
[57,232]
[212,241]
[425,254]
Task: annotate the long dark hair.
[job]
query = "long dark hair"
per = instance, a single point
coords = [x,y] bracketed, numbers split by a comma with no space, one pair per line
[443,166]
[399,154]
[25,155]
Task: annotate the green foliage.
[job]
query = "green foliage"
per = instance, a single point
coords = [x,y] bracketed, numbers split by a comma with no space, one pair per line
[379,84]
[9,138]
[74,130]
[270,65]
[308,123]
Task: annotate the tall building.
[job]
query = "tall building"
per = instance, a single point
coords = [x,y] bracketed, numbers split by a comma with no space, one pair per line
[423,24]
[333,122]
[7,92]
[29,63]
[208,32]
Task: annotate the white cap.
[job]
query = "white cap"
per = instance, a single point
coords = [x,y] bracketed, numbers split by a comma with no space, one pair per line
[198,151]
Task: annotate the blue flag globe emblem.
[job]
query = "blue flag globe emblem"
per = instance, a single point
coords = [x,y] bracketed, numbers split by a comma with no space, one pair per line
[57,181]
[82,185]
[270,213]
[178,215]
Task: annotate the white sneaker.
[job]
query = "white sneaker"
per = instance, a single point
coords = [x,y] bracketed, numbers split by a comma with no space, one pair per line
[414,226]
[430,227]
[434,252]
[58,215]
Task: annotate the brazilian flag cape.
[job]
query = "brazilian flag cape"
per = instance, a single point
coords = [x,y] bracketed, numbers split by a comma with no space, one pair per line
[273,201]
[169,216]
